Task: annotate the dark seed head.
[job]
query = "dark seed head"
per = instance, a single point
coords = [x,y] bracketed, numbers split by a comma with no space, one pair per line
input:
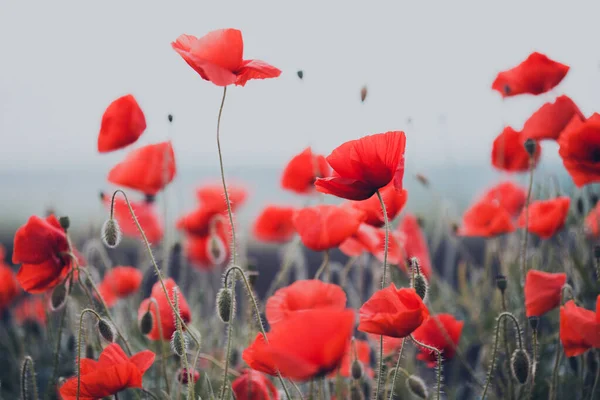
[64,222]
[534,322]
[59,296]
[300,74]
[170,117]
[519,365]
[89,351]
[356,369]
[530,146]
[501,282]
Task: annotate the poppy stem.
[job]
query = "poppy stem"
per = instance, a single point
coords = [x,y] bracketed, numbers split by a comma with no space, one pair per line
[229,212]
[85,311]
[534,345]
[27,376]
[161,345]
[346,270]
[507,346]
[190,385]
[385,257]
[396,369]
[526,229]
[439,365]
[495,351]
[554,381]
[323,266]
[153,260]
[258,318]
[597,378]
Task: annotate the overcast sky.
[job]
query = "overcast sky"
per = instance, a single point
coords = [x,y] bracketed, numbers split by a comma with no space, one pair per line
[62,63]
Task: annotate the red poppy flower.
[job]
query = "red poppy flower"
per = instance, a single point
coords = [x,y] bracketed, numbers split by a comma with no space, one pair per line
[147,169]
[414,243]
[217,57]
[303,295]
[542,292]
[363,166]
[118,283]
[580,149]
[391,345]
[199,221]
[9,288]
[212,197]
[486,219]
[373,239]
[253,385]
[393,199]
[31,309]
[41,247]
[275,224]
[300,173]
[113,372]
[362,353]
[210,250]
[430,334]
[536,75]
[546,217]
[324,227]
[592,222]
[510,197]
[509,154]
[393,312]
[122,124]
[550,120]
[167,319]
[579,328]
[145,213]
[305,345]
[352,247]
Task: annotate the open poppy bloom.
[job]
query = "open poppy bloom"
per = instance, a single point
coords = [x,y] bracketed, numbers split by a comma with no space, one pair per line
[550,120]
[393,312]
[510,196]
[210,250]
[212,196]
[430,333]
[253,385]
[113,372]
[546,217]
[41,247]
[32,309]
[147,169]
[415,243]
[118,283]
[579,328]
[303,295]
[536,75]
[580,149]
[324,227]
[167,318]
[217,57]
[275,224]
[359,350]
[122,124]
[145,213]
[509,154]
[363,166]
[305,345]
[486,219]
[373,239]
[303,169]
[542,292]
[393,199]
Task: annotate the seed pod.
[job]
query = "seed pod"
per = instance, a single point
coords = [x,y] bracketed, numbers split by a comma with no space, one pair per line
[170,117]
[530,147]
[501,282]
[59,297]
[146,323]
[111,233]
[417,387]
[300,74]
[519,365]
[106,330]
[356,369]
[225,304]
[534,322]
[420,286]
[363,94]
[64,222]
[179,343]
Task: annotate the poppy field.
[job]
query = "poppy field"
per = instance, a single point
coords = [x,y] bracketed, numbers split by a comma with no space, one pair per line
[352,301]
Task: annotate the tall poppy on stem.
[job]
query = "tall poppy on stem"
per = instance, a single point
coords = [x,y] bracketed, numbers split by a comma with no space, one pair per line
[509,196]
[394,203]
[253,385]
[118,283]
[486,219]
[580,149]
[145,213]
[431,334]
[275,224]
[509,154]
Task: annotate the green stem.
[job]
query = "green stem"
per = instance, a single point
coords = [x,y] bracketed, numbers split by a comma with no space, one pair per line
[324,264]
[534,345]
[597,378]
[85,311]
[507,348]
[439,365]
[385,256]
[179,327]
[160,342]
[554,381]
[526,229]
[397,368]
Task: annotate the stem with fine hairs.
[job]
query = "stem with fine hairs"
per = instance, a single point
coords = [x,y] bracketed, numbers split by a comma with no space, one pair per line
[85,311]
[397,368]
[534,346]
[439,366]
[190,373]
[526,229]
[507,347]
[385,256]
[154,303]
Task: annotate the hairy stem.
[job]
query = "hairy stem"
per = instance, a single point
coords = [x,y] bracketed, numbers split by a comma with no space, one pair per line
[439,365]
[28,372]
[160,342]
[179,327]
[554,381]
[507,347]
[85,311]
[526,229]
[397,368]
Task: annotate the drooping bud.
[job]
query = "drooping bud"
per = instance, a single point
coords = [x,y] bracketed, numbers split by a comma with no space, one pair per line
[89,351]
[363,94]
[417,387]
[534,322]
[357,369]
[300,74]
[111,233]
[106,330]
[179,343]
[501,282]
[216,250]
[65,223]
[59,296]
[225,304]
[519,365]
[530,147]
[146,323]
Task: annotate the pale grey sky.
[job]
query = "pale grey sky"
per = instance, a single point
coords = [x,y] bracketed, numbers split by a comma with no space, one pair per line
[63,62]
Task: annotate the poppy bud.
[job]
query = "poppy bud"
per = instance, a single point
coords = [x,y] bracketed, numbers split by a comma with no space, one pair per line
[89,351]
[422,179]
[28,379]
[111,233]
[356,393]
[519,365]
[106,330]
[363,94]
[420,285]
[597,251]
[225,304]
[234,357]
[170,117]
[146,323]
[534,322]
[416,386]
[356,369]
[64,222]
[300,74]
[530,147]
[216,250]
[59,297]
[179,343]
[501,282]
[149,198]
